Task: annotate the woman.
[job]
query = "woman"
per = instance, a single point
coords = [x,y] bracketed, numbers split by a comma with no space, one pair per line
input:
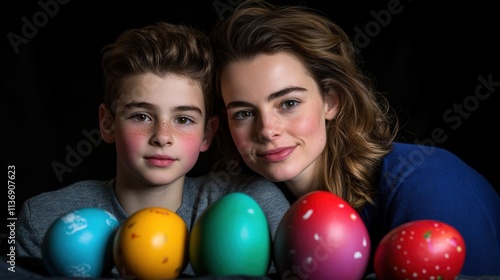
[300,112]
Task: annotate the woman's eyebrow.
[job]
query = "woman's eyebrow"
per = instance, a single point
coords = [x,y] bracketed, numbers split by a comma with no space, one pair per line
[283,92]
[236,104]
[271,97]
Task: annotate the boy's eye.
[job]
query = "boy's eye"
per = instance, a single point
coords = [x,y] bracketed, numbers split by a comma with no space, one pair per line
[184,120]
[141,117]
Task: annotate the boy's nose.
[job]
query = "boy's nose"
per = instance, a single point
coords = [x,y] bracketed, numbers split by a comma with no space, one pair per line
[162,135]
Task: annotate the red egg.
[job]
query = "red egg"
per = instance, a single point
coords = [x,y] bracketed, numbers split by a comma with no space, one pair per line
[423,249]
[321,237]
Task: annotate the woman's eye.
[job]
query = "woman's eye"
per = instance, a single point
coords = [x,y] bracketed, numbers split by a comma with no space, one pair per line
[241,115]
[289,104]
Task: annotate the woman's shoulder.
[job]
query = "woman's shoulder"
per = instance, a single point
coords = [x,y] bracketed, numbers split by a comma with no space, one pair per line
[418,156]
[416,151]
[420,165]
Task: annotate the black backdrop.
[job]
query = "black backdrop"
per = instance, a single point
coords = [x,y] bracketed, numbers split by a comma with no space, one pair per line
[437,63]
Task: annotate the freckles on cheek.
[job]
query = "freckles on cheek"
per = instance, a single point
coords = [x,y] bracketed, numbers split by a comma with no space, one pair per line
[132,140]
[190,147]
[129,139]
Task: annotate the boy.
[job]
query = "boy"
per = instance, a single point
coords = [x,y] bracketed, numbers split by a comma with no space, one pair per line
[158,112]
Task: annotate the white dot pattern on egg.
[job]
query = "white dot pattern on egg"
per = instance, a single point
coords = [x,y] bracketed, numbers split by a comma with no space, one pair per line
[325,233]
[308,214]
[421,250]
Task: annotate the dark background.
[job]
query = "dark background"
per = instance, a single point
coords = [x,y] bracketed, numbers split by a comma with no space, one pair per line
[427,58]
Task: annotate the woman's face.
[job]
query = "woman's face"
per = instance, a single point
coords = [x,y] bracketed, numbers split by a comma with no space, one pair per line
[276,116]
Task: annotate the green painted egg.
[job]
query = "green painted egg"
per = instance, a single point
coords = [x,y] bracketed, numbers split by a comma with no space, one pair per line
[231,237]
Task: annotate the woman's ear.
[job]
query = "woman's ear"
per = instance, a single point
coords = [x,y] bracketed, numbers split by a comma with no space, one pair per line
[210,129]
[106,124]
[331,105]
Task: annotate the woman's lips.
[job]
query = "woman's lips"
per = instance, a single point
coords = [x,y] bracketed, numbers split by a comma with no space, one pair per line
[276,155]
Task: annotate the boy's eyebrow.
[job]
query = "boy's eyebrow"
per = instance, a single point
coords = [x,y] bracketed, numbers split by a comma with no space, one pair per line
[150,106]
[271,97]
[189,108]
[144,105]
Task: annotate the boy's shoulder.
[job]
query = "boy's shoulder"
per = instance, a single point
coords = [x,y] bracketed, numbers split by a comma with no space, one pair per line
[210,187]
[80,190]
[226,181]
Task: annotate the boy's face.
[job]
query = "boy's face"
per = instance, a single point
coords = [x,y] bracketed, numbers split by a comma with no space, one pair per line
[159,128]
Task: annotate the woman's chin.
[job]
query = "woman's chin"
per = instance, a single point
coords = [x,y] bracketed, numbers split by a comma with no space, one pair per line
[278,176]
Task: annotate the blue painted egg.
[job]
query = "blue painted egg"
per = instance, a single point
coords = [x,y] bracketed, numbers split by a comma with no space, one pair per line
[231,237]
[80,243]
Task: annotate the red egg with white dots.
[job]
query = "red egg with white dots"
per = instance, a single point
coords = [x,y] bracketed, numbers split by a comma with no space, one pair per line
[321,237]
[422,249]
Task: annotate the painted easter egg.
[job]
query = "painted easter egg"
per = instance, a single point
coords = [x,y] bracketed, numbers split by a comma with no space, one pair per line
[79,243]
[151,244]
[420,249]
[231,237]
[321,237]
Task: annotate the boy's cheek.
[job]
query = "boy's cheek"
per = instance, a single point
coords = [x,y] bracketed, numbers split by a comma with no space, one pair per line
[129,141]
[190,147]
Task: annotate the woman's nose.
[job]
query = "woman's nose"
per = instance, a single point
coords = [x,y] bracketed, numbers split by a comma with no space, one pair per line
[270,127]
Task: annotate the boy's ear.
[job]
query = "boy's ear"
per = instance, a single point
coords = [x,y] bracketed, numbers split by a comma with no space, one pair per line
[106,124]
[210,129]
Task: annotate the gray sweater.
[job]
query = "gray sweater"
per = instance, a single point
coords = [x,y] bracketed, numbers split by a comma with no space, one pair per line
[39,212]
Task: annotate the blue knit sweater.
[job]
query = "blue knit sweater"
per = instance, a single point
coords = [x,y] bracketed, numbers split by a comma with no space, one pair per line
[424,182]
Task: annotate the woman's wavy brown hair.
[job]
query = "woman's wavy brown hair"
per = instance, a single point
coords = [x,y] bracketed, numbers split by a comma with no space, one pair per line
[362,132]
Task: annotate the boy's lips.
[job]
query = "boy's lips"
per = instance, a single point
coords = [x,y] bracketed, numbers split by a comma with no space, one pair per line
[159,160]
[277,154]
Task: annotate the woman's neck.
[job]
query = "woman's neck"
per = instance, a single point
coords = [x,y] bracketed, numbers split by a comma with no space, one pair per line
[306,182]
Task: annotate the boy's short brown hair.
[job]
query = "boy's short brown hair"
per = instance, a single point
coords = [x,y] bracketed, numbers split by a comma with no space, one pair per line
[162,48]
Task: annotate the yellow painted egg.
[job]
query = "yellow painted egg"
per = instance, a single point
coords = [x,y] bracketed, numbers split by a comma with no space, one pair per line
[151,244]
